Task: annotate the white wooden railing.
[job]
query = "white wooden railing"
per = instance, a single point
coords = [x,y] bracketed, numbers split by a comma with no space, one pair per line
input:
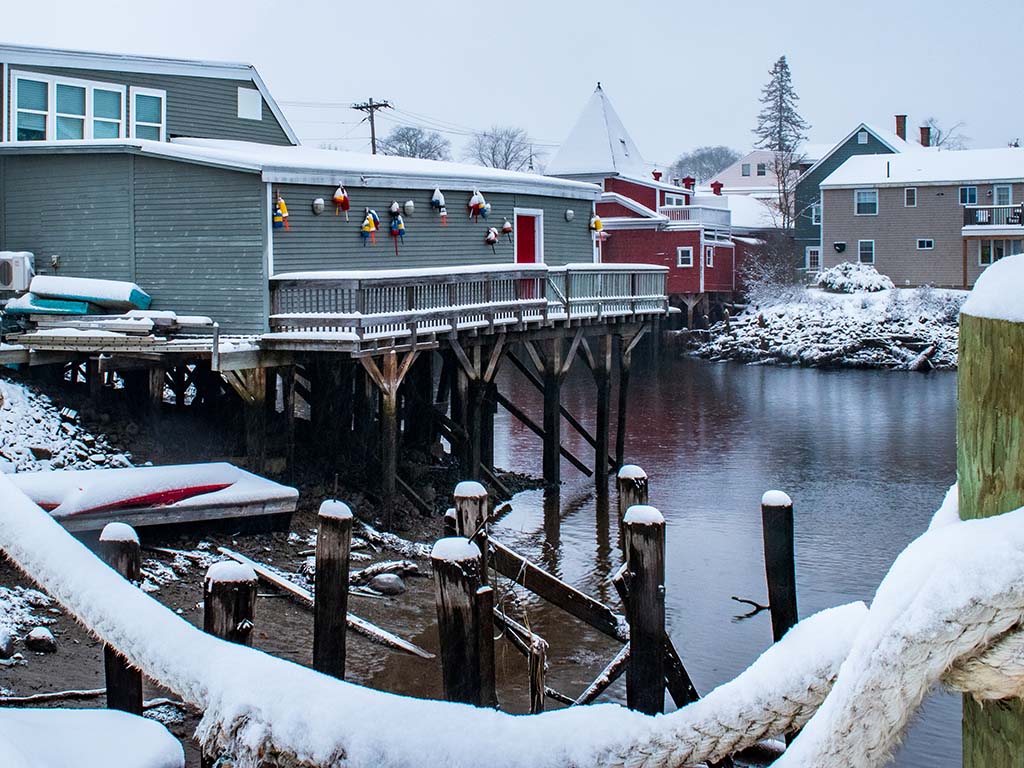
[698,214]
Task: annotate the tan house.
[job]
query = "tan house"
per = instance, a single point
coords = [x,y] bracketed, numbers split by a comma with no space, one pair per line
[925,218]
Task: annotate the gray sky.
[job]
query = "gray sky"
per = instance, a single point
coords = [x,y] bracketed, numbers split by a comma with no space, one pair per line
[680,74]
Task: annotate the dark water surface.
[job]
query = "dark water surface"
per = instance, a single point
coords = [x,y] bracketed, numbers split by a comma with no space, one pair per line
[866,456]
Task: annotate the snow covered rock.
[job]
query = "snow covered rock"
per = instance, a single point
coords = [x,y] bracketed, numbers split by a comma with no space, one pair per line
[41,640]
[387,584]
[6,643]
[848,277]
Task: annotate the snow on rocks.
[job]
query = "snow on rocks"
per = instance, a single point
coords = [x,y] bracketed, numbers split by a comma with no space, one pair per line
[886,329]
[18,607]
[34,437]
[41,640]
[6,643]
[999,292]
[849,277]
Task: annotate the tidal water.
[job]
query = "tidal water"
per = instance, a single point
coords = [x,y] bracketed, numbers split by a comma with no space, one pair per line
[866,456]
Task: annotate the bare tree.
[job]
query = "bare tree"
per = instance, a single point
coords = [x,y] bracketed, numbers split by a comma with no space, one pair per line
[947,138]
[704,162]
[770,272]
[781,130]
[505,147]
[408,141]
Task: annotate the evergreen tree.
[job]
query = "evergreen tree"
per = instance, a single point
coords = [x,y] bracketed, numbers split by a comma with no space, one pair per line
[779,126]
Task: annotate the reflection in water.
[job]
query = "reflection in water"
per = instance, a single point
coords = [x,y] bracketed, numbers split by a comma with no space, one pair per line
[866,456]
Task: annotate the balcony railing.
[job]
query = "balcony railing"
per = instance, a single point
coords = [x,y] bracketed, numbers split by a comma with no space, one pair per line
[391,304]
[698,214]
[994,215]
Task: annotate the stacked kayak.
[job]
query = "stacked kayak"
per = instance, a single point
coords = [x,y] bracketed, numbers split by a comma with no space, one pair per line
[56,295]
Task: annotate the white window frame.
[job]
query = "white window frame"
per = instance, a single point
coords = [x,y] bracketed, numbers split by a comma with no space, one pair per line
[675,200]
[249,104]
[744,169]
[816,213]
[907,190]
[862,137]
[925,247]
[539,234]
[709,256]
[807,258]
[762,169]
[860,260]
[855,202]
[680,250]
[1009,194]
[136,91]
[52,81]
[960,195]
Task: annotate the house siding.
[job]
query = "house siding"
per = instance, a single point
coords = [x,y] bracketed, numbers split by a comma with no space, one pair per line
[329,242]
[807,190]
[896,230]
[200,242]
[644,246]
[640,192]
[202,107]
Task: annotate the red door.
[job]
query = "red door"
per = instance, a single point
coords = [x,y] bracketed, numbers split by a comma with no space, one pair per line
[526,239]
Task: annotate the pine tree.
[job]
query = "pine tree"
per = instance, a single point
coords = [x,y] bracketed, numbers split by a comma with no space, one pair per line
[781,130]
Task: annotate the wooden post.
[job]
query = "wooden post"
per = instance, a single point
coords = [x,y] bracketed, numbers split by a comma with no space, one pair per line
[603,380]
[471,514]
[625,363]
[990,471]
[633,487]
[389,436]
[330,608]
[538,667]
[95,378]
[779,560]
[553,414]
[645,559]
[156,378]
[119,548]
[254,406]
[489,408]
[457,566]
[288,403]
[483,607]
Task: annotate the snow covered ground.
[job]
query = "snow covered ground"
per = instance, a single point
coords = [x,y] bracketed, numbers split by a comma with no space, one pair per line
[884,329]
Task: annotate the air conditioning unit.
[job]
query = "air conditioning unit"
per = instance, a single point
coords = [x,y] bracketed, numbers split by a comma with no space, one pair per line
[16,270]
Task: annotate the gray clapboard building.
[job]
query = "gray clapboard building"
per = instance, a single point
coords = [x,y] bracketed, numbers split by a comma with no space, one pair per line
[166,173]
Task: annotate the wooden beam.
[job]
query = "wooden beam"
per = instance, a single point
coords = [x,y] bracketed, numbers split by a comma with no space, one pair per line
[472,371]
[571,354]
[531,350]
[539,431]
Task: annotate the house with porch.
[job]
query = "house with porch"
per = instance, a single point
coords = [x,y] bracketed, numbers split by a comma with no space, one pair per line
[925,218]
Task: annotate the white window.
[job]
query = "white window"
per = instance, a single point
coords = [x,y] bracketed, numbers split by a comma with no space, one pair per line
[684,256]
[250,104]
[816,212]
[149,114]
[813,257]
[866,251]
[862,137]
[762,169]
[709,256]
[925,244]
[991,251]
[968,195]
[745,169]
[865,202]
[674,200]
[49,108]
[1002,194]
[910,197]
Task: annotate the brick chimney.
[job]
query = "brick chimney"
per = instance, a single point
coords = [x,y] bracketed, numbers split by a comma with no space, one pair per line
[656,175]
[926,136]
[901,126]
[716,187]
[688,182]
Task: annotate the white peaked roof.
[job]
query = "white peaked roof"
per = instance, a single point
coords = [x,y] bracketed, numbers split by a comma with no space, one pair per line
[936,167]
[599,144]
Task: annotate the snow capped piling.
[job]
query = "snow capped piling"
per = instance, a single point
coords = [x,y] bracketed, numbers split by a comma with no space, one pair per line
[633,487]
[779,560]
[644,541]
[471,517]
[119,548]
[330,607]
[229,604]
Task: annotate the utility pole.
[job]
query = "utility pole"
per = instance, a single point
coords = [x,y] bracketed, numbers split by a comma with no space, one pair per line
[371,107]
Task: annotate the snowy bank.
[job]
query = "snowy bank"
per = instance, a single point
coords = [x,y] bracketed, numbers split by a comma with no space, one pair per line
[901,328]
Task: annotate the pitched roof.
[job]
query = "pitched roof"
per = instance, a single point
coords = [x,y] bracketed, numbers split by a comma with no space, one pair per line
[888,138]
[936,167]
[599,144]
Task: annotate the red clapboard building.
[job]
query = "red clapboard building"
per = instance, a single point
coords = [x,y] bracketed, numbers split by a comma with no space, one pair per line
[646,220]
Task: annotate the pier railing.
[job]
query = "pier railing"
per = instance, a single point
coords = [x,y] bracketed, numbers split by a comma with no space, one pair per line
[396,303]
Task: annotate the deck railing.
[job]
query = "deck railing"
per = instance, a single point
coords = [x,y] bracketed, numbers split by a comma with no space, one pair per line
[698,214]
[396,303]
[994,215]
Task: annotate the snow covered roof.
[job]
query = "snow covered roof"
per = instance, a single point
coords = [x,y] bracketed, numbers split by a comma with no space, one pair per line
[936,167]
[305,165]
[599,144]
[887,137]
[123,62]
[813,152]
[747,212]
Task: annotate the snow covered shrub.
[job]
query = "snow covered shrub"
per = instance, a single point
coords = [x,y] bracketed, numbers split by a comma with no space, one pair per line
[853,278]
[769,274]
[939,305]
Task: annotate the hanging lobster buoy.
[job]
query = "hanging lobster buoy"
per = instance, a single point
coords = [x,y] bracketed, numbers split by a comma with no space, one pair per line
[341,201]
[280,215]
[444,216]
[506,229]
[395,208]
[397,229]
[437,203]
[477,204]
[491,237]
[486,210]
[595,223]
[369,228]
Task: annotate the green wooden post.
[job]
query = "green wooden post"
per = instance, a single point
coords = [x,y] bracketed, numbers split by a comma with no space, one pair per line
[990,472]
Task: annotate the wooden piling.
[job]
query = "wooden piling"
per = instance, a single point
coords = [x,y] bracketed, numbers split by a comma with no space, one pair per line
[603,381]
[552,413]
[633,486]
[779,561]
[645,559]
[119,548]
[471,514]
[483,608]
[333,544]
[457,566]
[155,380]
[229,602]
[538,668]
[990,473]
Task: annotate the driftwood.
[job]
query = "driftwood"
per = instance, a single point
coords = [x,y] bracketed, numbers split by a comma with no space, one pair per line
[399,567]
[755,606]
[403,547]
[923,362]
[361,626]
[608,675]
[77,695]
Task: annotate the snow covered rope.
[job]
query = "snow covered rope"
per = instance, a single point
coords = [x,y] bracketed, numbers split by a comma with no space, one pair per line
[948,597]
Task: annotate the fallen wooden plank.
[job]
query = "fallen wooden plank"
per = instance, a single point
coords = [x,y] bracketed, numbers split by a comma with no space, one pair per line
[608,675]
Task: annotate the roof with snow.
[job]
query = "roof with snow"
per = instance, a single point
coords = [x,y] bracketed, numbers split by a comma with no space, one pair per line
[935,167]
[123,62]
[599,145]
[886,137]
[746,211]
[305,165]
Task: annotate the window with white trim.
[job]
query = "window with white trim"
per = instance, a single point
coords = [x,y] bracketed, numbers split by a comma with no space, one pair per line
[910,197]
[675,200]
[709,256]
[149,114]
[1002,194]
[745,169]
[865,202]
[968,195]
[925,244]
[762,169]
[684,256]
[50,108]
[816,212]
[862,137]
[866,251]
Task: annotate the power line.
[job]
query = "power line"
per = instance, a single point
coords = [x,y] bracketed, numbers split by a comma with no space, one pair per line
[370,108]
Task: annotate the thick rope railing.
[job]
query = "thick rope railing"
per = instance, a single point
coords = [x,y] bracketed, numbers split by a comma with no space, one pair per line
[948,610]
